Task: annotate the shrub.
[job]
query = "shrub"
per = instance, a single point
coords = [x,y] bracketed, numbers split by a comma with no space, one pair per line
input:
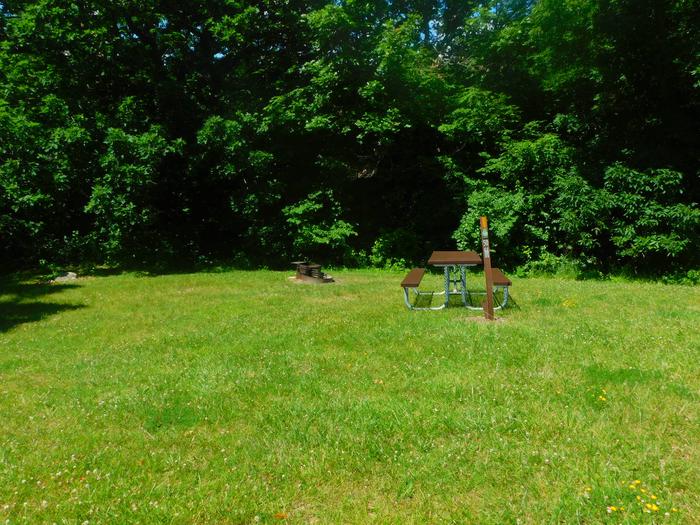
[649,226]
[394,249]
[315,227]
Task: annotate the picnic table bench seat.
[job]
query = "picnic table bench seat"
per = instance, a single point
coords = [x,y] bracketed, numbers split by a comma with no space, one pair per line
[412,281]
[499,278]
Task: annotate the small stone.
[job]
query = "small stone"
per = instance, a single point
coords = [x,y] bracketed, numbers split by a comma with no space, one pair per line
[66,276]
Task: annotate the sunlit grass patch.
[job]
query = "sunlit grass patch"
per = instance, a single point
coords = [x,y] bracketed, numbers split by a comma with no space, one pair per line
[240,397]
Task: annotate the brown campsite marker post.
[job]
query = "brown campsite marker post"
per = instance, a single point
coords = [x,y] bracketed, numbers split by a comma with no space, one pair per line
[486,255]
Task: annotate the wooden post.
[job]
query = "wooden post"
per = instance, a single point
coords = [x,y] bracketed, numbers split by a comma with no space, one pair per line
[486,254]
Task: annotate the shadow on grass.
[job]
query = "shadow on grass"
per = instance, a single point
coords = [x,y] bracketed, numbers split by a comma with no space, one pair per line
[455,301]
[478,299]
[601,374]
[22,303]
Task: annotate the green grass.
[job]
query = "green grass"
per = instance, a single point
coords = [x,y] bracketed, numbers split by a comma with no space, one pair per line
[241,397]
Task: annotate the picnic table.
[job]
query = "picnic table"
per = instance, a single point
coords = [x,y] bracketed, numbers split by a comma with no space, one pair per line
[455,264]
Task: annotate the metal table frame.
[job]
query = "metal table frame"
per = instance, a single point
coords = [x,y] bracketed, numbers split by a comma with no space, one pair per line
[455,283]
[455,271]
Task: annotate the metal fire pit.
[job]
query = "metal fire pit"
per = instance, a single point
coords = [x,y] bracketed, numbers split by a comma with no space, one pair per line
[309,272]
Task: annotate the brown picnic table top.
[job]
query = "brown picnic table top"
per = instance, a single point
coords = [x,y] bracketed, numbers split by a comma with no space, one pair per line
[454,258]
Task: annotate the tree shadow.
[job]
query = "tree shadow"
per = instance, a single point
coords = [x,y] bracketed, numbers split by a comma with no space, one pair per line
[22,302]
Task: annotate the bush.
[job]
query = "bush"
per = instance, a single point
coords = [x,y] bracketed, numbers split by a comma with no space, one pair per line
[506,213]
[315,227]
[394,249]
[691,277]
[648,225]
[124,199]
[550,264]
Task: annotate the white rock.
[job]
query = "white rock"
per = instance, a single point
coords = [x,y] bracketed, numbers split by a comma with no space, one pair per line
[66,276]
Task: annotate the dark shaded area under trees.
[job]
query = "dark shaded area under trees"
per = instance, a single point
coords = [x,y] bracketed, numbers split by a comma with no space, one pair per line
[359,132]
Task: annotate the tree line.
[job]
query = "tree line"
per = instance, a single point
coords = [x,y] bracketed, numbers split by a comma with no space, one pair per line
[361,132]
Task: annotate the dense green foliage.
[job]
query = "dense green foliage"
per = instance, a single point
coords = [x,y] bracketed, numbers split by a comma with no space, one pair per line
[365,131]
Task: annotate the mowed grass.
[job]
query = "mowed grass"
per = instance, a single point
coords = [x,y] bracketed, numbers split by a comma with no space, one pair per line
[241,397]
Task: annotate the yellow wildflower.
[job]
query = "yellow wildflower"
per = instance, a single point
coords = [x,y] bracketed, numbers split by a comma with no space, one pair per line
[568,303]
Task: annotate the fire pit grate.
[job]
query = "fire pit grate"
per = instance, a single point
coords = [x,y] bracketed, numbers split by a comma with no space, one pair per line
[311,273]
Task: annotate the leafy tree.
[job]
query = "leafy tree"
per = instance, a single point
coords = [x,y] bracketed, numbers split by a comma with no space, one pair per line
[141,132]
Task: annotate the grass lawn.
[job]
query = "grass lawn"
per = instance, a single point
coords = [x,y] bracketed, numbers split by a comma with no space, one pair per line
[241,397]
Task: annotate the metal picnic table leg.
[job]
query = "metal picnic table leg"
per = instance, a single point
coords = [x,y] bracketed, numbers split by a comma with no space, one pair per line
[463,277]
[447,285]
